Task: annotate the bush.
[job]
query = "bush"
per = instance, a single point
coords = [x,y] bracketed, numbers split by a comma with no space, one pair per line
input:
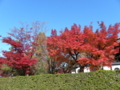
[99,80]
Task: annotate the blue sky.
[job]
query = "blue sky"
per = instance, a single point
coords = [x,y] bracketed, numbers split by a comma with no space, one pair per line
[58,13]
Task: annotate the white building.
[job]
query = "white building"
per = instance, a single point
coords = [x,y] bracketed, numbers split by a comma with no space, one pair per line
[115,65]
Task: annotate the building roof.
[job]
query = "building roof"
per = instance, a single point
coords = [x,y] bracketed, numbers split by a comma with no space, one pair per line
[116,63]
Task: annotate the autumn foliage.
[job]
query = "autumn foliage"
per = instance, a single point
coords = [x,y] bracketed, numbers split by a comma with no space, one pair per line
[30,51]
[101,45]
[98,46]
[23,44]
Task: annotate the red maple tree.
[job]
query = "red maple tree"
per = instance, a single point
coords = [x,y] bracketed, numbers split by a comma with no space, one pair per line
[23,45]
[98,46]
[101,46]
[67,46]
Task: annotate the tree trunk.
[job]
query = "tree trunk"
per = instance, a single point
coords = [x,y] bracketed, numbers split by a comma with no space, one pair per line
[81,69]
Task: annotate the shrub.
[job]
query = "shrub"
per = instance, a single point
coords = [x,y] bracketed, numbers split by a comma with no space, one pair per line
[99,80]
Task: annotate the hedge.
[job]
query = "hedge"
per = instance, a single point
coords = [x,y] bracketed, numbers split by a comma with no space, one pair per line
[99,80]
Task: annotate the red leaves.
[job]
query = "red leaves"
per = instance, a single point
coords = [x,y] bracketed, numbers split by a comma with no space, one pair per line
[99,45]
[22,50]
[18,60]
[67,41]
[11,42]
[103,51]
